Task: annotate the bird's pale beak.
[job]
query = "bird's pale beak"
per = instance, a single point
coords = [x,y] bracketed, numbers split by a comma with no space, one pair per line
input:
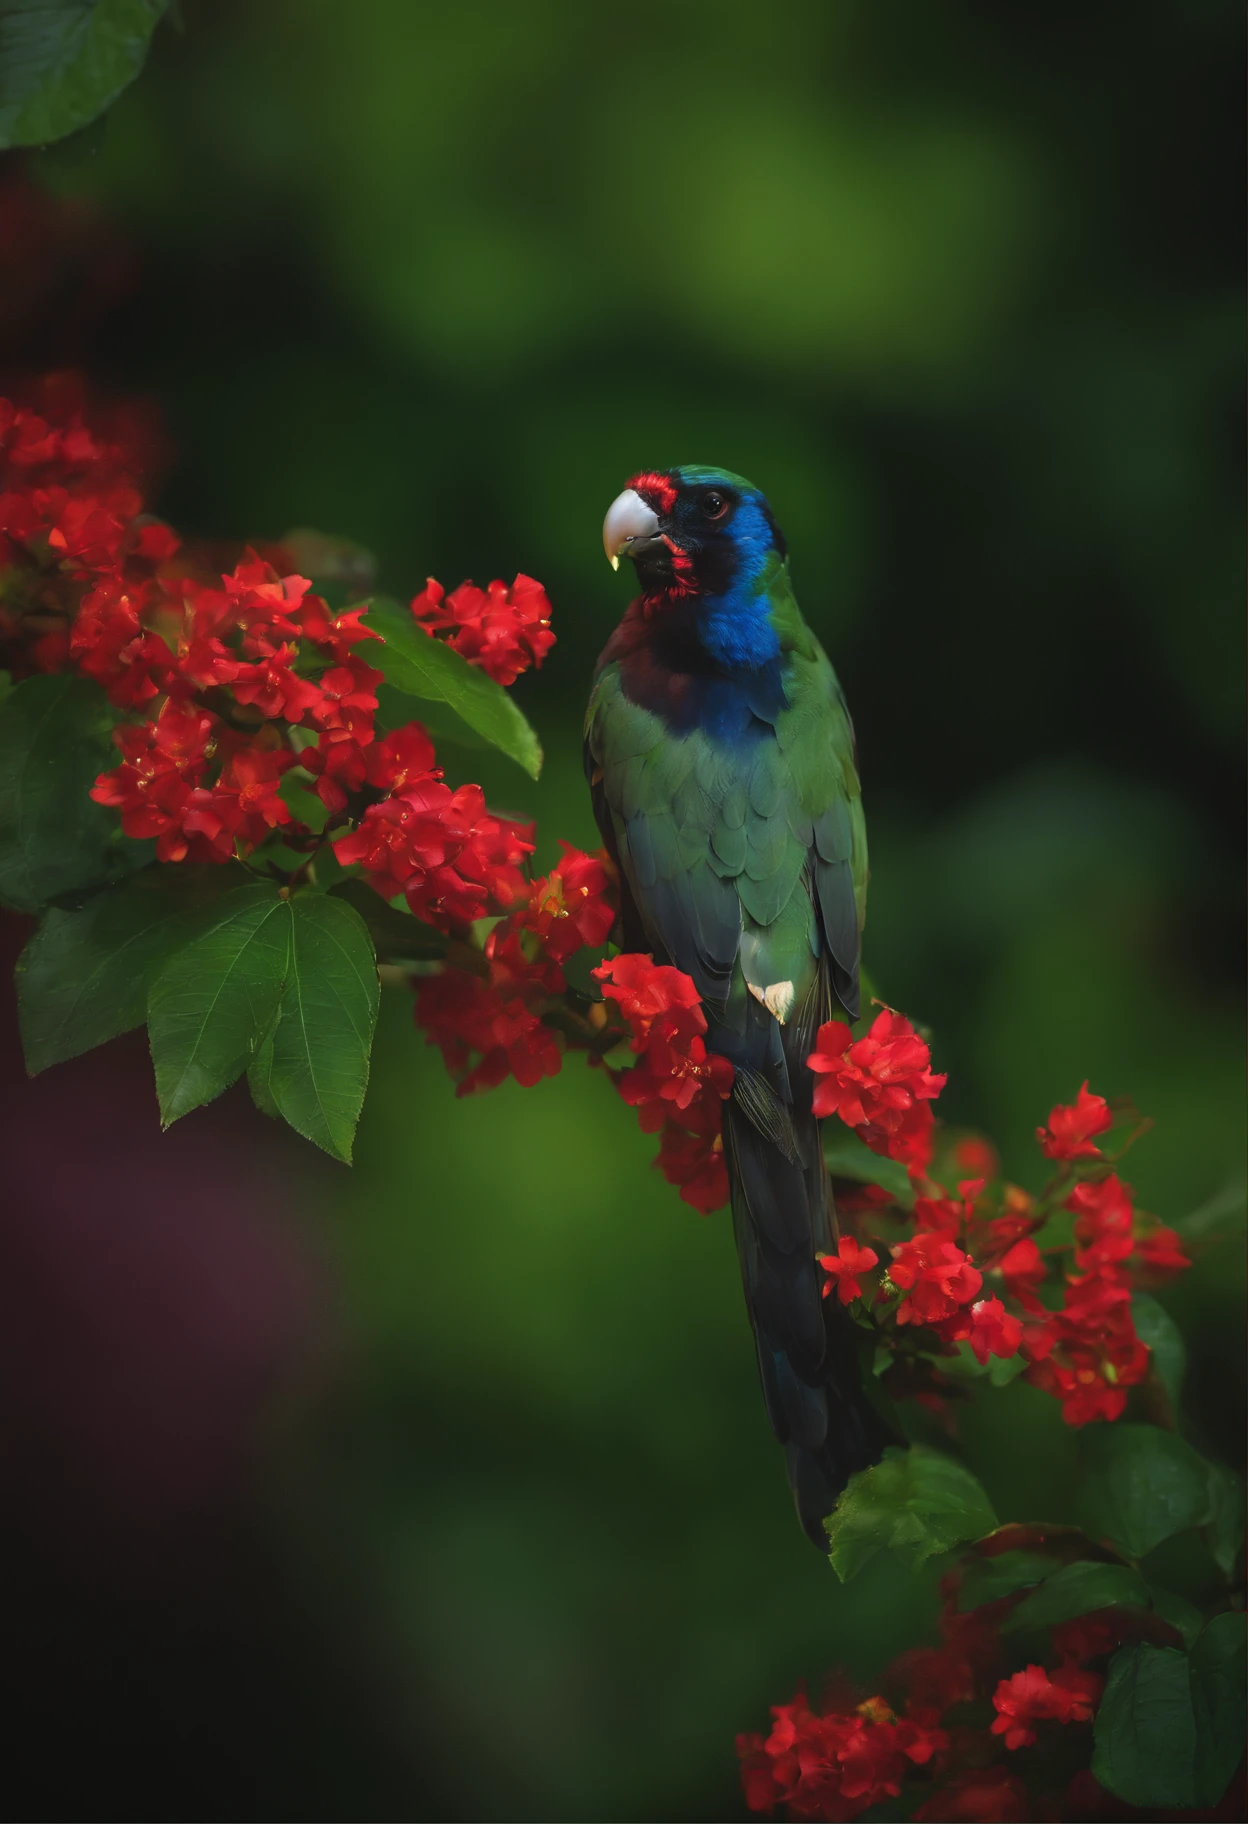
[629,522]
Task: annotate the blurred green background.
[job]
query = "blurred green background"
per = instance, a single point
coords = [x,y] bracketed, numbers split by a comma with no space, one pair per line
[959,287]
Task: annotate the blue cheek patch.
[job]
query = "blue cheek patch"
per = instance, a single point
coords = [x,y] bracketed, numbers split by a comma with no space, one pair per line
[735,628]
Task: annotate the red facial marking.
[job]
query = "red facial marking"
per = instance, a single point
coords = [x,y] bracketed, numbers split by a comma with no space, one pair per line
[660,487]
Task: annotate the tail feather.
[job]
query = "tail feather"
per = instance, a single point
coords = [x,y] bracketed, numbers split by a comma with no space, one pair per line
[807,1346]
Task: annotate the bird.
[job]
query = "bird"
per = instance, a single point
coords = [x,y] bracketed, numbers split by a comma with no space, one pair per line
[722,767]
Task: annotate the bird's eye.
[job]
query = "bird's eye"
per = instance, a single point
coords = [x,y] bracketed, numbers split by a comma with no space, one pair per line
[714,505]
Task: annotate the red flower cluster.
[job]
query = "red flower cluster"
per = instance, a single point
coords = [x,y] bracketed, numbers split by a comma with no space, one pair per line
[1087,1353]
[498,1017]
[1069,1695]
[1070,1129]
[223,673]
[70,520]
[572,908]
[502,629]
[881,1085]
[678,1086]
[497,1020]
[837,1765]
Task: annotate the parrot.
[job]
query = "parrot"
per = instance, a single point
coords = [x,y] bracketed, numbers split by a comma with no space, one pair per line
[722,768]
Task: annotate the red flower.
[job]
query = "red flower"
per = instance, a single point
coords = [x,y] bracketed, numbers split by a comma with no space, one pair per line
[694,1162]
[936,1278]
[243,806]
[110,644]
[993,1331]
[981,1795]
[464,1016]
[1070,1129]
[881,1085]
[1069,1695]
[442,850]
[346,698]
[502,630]
[836,1766]
[948,1216]
[1023,1269]
[162,762]
[1104,1218]
[1161,1251]
[844,1267]
[651,995]
[977,1156]
[572,908]
[401,758]
[273,688]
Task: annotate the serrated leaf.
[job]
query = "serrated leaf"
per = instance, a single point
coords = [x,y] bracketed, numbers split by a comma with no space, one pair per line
[427,668]
[1224,1530]
[847,1157]
[1078,1589]
[211,1006]
[1139,1486]
[55,737]
[988,1579]
[1219,1673]
[84,976]
[318,1069]
[1144,1741]
[63,61]
[915,1502]
[1155,1327]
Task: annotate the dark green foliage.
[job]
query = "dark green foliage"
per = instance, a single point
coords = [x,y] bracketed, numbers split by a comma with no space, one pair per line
[313,1064]
[1078,1589]
[54,739]
[1139,1486]
[1155,1326]
[433,671]
[84,975]
[63,61]
[282,987]
[211,1007]
[988,1579]
[1170,1728]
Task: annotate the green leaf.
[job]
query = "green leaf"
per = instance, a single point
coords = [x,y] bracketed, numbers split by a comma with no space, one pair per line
[1155,1327]
[63,61]
[847,1157]
[1170,1729]
[1078,1589]
[916,1503]
[1139,1486]
[313,1067]
[421,666]
[55,737]
[1144,1741]
[1224,1530]
[398,937]
[988,1579]
[1183,1616]
[259,1075]
[211,1006]
[394,709]
[1219,1668]
[84,975]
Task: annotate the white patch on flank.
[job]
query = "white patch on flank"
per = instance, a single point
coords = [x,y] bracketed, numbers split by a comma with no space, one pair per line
[777,999]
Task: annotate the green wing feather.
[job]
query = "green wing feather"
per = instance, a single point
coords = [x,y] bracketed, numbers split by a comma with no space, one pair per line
[738,857]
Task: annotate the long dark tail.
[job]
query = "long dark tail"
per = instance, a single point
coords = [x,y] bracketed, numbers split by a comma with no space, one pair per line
[807,1345]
